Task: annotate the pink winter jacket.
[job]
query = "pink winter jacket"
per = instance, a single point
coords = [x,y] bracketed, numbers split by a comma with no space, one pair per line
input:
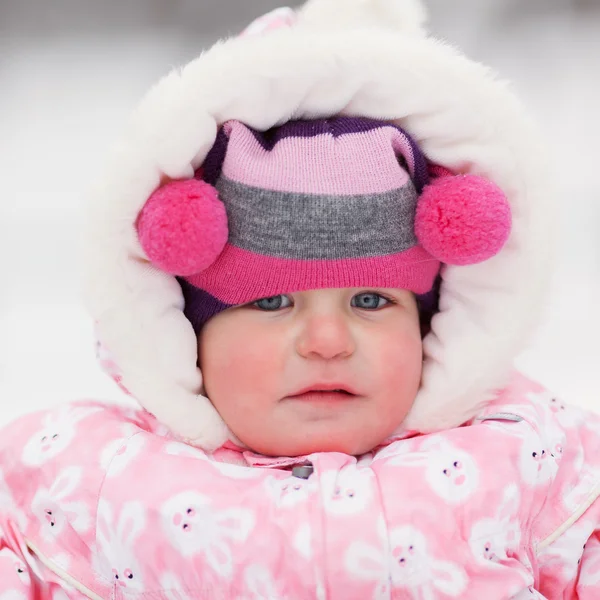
[99,501]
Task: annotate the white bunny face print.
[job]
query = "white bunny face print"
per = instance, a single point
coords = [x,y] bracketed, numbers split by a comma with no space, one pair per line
[452,473]
[539,457]
[54,507]
[564,414]
[289,492]
[411,567]
[540,453]
[22,573]
[7,557]
[293,492]
[55,436]
[116,544]
[347,492]
[494,538]
[15,583]
[408,550]
[414,568]
[194,527]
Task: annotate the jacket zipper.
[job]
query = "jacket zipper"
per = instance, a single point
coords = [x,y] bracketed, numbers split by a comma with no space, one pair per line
[62,574]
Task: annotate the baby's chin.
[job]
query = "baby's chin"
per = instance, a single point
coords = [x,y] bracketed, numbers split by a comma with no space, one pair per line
[353,429]
[302,445]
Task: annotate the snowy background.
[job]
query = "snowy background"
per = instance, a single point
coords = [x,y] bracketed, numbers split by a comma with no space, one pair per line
[72,70]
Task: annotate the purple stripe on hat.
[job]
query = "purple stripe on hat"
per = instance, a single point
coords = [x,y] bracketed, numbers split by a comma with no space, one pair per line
[428,305]
[213,163]
[335,127]
[199,306]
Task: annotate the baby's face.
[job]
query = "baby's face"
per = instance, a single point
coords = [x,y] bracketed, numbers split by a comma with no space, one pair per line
[258,357]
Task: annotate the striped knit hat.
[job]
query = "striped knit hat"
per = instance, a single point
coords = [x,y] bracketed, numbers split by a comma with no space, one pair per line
[333,203]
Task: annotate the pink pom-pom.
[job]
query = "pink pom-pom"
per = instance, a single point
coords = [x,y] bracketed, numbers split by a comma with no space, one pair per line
[463,219]
[183,227]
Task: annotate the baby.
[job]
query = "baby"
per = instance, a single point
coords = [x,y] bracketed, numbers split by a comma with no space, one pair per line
[330,369]
[319,317]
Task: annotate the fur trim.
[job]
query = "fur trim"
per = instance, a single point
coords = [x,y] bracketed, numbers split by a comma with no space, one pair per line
[458,113]
[405,16]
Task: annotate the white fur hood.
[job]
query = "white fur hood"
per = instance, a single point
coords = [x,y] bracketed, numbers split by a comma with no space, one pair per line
[369,58]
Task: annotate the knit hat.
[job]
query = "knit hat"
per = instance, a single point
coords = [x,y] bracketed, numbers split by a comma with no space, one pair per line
[328,203]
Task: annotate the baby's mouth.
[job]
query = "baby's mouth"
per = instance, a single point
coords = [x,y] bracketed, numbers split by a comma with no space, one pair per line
[324,394]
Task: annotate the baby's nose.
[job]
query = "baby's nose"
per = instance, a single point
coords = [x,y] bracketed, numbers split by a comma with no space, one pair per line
[326,336]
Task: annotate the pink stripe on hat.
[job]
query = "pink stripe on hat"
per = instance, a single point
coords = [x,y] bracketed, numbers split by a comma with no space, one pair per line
[240,276]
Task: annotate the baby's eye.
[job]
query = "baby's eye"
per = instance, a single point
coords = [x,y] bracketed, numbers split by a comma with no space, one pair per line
[272,303]
[369,300]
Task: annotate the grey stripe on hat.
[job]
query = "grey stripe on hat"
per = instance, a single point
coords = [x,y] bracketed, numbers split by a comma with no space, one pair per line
[319,227]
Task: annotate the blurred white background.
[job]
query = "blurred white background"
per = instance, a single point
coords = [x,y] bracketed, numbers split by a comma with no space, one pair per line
[72,70]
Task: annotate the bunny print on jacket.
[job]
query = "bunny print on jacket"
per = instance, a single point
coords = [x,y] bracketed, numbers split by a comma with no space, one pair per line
[116,541]
[504,506]
[194,527]
[53,508]
[55,434]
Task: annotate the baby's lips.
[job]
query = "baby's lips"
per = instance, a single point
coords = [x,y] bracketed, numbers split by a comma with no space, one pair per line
[325,387]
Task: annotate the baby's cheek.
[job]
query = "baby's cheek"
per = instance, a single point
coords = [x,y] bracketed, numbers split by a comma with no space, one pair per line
[233,354]
[403,357]
[254,367]
[400,373]
[241,368]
